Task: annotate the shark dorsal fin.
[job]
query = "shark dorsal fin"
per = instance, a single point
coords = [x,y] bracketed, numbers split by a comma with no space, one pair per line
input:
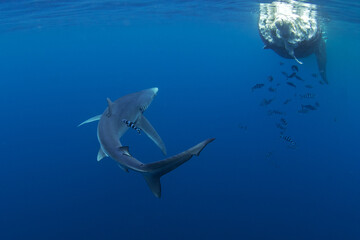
[101,154]
[109,107]
[125,150]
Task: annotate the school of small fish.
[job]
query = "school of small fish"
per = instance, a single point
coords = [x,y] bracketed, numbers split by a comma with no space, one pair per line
[302,95]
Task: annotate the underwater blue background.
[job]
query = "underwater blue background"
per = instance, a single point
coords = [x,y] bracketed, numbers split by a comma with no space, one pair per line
[247,184]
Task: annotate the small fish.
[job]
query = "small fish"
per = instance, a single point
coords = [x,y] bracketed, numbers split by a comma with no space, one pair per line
[299,78]
[314,75]
[317,104]
[270,78]
[294,68]
[242,127]
[278,84]
[272,89]
[276,112]
[321,82]
[266,102]
[283,121]
[303,110]
[257,86]
[292,75]
[308,86]
[131,125]
[280,126]
[285,74]
[308,95]
[291,84]
[309,107]
[281,63]
[288,139]
[287,101]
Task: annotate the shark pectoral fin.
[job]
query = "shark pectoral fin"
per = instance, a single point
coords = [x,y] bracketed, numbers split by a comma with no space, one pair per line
[101,155]
[109,112]
[93,119]
[123,168]
[146,126]
[125,150]
[153,171]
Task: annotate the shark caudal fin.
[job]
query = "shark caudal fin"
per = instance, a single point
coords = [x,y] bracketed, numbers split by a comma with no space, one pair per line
[153,171]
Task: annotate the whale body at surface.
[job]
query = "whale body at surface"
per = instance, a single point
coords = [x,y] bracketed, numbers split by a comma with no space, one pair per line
[292,29]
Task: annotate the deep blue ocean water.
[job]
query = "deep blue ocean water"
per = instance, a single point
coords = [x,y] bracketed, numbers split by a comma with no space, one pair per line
[60,60]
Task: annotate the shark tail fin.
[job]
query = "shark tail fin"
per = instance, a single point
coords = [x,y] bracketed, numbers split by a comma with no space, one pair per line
[154,171]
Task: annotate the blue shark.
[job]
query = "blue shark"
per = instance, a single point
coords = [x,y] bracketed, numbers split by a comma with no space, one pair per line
[116,120]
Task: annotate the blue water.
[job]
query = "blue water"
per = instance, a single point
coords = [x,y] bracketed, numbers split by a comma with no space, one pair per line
[59,61]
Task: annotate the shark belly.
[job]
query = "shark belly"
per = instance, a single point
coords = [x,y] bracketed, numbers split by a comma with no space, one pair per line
[109,133]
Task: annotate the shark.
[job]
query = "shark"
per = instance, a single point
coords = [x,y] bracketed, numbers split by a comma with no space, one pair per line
[127,112]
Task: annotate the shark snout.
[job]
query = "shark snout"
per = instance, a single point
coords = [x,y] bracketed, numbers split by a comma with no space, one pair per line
[151,92]
[148,93]
[154,90]
[145,97]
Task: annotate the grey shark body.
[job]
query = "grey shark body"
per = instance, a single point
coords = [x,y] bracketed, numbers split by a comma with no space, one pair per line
[112,126]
